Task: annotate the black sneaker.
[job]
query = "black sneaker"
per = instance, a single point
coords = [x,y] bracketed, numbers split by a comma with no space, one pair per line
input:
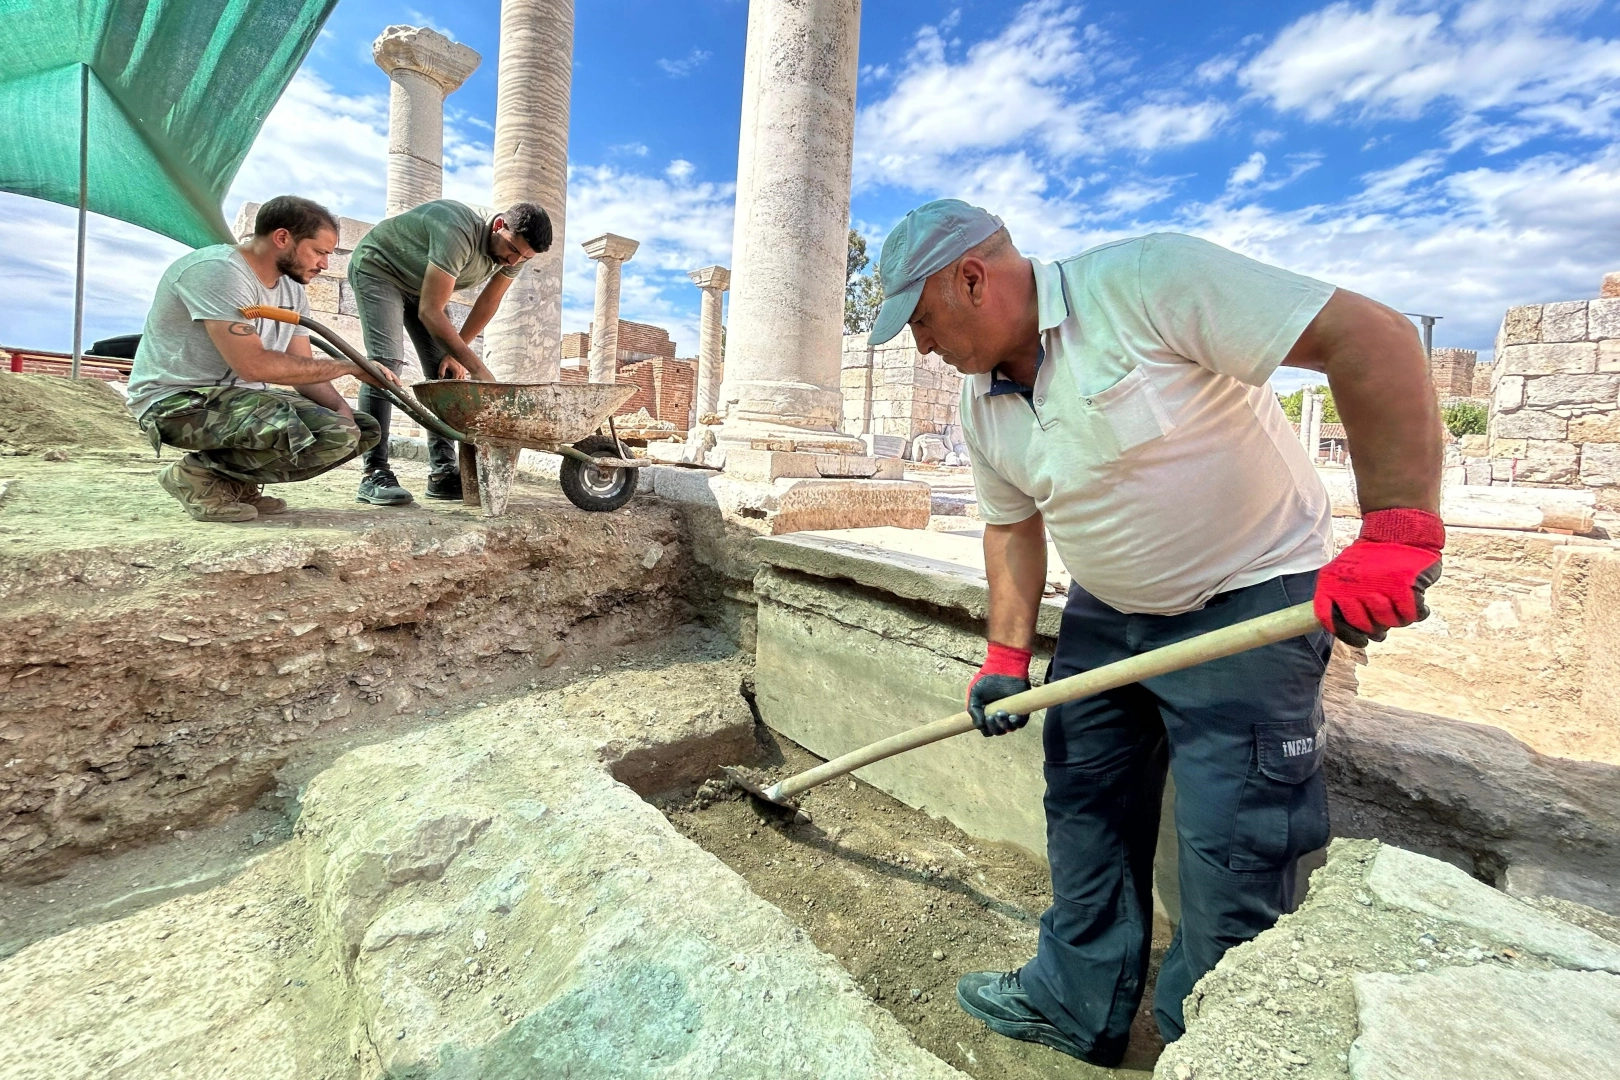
[1000,1000]
[445,485]
[381,488]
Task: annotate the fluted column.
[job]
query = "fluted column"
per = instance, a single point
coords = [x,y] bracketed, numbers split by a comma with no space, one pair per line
[424,67]
[785,337]
[611,252]
[531,165]
[714,281]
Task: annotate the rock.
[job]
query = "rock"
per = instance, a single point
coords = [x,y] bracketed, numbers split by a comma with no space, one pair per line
[1564,321]
[929,449]
[1440,890]
[1486,1024]
[1521,325]
[610,938]
[1553,391]
[1499,615]
[1572,358]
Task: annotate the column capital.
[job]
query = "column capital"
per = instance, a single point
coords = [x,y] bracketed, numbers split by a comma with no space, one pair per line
[427,52]
[611,246]
[711,277]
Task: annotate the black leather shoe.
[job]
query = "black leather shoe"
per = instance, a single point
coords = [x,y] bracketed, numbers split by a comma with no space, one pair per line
[381,488]
[1000,1000]
[446,485]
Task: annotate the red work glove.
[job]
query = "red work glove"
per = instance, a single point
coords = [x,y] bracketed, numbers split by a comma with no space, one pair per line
[1005,673]
[1377,582]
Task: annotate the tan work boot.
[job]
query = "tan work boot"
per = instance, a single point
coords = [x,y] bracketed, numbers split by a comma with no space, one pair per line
[206,495]
[254,496]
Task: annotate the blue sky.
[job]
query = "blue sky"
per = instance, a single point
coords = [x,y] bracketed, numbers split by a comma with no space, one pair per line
[1445,157]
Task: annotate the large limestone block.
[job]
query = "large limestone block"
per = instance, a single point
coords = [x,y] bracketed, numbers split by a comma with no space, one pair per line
[1555,390]
[1521,326]
[1609,355]
[1529,424]
[1430,887]
[1603,319]
[1567,358]
[1547,462]
[1596,428]
[1486,1024]
[1509,393]
[480,899]
[1600,464]
[1564,321]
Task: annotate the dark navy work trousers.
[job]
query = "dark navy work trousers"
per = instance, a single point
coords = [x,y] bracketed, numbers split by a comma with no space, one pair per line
[1243,737]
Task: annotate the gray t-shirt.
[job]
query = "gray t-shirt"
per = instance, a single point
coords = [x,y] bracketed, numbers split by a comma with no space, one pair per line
[451,235]
[213,283]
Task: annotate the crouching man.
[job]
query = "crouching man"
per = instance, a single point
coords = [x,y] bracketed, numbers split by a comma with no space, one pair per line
[202,375]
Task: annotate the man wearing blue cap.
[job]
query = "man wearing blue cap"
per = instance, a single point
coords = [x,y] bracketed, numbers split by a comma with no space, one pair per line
[1118,400]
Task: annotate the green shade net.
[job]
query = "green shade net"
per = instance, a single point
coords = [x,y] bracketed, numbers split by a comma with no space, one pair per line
[178,92]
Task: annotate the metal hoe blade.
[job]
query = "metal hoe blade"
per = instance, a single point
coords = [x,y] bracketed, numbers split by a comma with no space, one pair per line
[765,804]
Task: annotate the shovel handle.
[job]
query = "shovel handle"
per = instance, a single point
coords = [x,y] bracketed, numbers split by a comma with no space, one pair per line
[274,314]
[1227,641]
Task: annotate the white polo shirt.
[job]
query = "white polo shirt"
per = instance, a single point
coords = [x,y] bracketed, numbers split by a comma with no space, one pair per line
[1160,460]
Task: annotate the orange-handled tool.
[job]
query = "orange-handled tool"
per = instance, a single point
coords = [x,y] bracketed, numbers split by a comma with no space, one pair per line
[381,379]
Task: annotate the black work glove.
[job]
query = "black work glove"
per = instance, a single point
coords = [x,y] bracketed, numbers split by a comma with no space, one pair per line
[1005,673]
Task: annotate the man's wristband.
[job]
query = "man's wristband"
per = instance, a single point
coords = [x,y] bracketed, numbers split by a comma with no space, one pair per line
[1002,659]
[1404,525]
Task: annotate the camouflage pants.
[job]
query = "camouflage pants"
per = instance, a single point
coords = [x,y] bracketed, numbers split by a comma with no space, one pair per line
[258,436]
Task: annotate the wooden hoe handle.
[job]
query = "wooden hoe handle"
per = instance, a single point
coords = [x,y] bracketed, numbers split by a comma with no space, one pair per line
[1227,641]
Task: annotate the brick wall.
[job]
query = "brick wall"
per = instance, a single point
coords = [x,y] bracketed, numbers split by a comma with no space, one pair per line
[664,387]
[892,389]
[637,341]
[1555,410]
[1484,375]
[1453,372]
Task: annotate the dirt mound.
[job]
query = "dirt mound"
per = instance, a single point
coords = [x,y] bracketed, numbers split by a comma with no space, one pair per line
[48,410]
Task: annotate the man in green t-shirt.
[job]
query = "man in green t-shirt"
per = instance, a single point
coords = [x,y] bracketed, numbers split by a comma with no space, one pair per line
[403,273]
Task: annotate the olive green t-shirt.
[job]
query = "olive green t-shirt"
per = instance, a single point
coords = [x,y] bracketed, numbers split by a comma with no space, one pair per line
[448,234]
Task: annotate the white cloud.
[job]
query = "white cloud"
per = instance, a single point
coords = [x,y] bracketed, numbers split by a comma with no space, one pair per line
[1248,172]
[682,224]
[1029,93]
[679,69]
[1396,58]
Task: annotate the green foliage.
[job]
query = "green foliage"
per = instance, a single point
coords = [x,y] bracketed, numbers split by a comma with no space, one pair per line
[1465,418]
[1293,403]
[863,293]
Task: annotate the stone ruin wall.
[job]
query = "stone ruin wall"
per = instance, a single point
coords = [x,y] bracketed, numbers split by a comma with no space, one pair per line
[892,390]
[637,341]
[1555,409]
[1452,371]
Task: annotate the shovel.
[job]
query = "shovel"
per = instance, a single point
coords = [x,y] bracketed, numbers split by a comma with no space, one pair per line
[1227,641]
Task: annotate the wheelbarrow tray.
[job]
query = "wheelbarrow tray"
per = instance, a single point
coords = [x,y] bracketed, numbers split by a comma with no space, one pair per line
[541,416]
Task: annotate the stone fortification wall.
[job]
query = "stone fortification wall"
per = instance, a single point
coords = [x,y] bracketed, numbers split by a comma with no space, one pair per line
[1484,375]
[1555,413]
[894,390]
[1453,372]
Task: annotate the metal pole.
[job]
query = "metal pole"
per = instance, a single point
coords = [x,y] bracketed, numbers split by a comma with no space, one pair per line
[84,184]
[1428,331]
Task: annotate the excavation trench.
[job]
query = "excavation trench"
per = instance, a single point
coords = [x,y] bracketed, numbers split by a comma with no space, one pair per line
[905,902]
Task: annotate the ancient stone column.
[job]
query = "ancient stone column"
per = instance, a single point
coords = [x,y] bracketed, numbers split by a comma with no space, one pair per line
[714,281]
[611,252]
[1307,401]
[531,165]
[424,67]
[784,340]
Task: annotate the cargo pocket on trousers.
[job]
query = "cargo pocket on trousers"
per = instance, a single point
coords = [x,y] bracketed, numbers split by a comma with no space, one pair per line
[1283,810]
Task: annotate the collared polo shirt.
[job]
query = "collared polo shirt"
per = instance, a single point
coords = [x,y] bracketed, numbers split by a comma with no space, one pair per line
[1151,445]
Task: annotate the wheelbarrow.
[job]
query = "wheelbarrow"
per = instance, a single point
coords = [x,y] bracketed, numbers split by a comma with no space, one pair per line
[493,422]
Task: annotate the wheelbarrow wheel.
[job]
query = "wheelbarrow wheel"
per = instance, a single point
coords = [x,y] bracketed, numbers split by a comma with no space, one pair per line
[592,487]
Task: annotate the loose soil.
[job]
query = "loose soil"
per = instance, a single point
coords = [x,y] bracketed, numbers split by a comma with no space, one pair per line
[906,903]
[40,411]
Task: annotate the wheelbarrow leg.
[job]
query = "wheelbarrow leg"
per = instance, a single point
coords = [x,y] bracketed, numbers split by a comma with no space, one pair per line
[468,462]
[497,465]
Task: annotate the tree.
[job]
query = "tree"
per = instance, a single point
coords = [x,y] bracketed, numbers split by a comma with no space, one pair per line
[1293,404]
[1464,418]
[863,293]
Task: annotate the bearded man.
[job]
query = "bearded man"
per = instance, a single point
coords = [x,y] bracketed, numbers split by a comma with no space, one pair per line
[204,375]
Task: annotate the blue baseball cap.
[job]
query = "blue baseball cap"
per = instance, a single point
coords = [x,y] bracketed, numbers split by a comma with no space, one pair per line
[926,241]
